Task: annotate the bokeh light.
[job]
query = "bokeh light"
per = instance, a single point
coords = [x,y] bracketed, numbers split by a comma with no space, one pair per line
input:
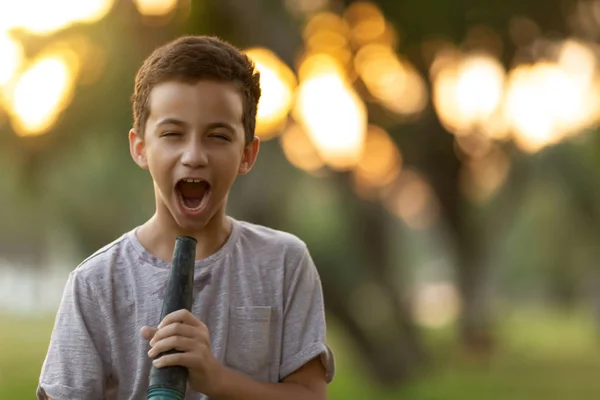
[155,8]
[12,58]
[412,199]
[319,63]
[536,104]
[50,16]
[35,92]
[547,101]
[326,33]
[368,25]
[326,22]
[468,92]
[391,80]
[527,103]
[436,304]
[300,150]
[35,110]
[380,163]
[278,84]
[333,115]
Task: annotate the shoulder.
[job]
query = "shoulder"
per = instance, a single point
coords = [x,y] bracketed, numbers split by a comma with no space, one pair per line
[268,240]
[103,260]
[281,251]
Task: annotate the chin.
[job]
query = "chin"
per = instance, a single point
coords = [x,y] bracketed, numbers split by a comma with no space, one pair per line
[187,224]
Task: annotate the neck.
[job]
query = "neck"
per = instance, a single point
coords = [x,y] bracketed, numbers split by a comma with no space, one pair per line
[158,235]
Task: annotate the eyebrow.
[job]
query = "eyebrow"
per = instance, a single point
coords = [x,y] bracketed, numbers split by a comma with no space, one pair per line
[171,121]
[178,122]
[215,125]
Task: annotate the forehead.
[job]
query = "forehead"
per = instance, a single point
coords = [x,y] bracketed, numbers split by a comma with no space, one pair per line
[197,102]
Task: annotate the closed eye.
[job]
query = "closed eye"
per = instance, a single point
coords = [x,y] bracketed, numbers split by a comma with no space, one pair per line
[170,133]
[220,136]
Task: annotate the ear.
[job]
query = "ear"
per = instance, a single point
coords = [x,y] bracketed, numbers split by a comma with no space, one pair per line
[249,156]
[137,148]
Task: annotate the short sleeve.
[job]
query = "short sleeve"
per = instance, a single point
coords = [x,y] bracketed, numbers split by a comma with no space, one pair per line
[74,368]
[304,326]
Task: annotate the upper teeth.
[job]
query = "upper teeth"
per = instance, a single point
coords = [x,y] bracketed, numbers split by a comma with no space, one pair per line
[192,180]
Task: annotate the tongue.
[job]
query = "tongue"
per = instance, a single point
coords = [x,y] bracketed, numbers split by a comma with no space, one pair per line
[192,193]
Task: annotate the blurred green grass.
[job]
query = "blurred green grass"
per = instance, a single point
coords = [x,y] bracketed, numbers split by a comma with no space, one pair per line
[24,344]
[540,356]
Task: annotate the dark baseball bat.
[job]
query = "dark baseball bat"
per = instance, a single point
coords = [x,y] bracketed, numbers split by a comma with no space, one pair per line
[169,383]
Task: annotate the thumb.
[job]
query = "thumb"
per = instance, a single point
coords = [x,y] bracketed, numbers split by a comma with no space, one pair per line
[148,332]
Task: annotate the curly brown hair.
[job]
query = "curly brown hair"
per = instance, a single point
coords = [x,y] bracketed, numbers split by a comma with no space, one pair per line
[190,59]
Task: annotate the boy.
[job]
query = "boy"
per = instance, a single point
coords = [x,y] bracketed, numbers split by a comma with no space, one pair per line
[257,325]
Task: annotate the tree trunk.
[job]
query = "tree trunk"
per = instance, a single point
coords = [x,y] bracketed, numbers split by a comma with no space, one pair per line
[386,361]
[372,221]
[431,150]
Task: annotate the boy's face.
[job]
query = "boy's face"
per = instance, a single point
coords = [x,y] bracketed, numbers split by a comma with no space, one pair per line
[194,147]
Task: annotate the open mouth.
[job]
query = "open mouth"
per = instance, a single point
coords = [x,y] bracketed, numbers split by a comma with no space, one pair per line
[192,194]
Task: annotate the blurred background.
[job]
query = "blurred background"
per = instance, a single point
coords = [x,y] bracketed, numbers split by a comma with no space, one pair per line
[440,158]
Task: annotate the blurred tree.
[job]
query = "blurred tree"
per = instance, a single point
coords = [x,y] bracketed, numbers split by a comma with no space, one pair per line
[430,148]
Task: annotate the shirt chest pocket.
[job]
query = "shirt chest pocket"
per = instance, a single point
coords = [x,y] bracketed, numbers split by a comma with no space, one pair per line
[250,341]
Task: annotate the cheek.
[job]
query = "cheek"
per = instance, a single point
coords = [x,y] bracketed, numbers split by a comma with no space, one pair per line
[227,170]
[160,165]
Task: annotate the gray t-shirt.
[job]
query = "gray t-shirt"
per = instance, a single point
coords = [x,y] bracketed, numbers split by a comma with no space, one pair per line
[260,296]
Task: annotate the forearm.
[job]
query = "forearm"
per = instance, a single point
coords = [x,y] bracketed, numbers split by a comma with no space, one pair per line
[237,386]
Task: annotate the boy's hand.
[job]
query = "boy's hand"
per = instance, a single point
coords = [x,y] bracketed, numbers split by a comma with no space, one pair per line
[182,331]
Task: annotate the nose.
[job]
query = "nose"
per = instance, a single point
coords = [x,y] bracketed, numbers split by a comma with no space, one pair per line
[194,155]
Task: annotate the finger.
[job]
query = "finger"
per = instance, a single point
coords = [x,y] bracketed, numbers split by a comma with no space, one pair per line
[187,360]
[148,332]
[183,316]
[176,329]
[179,343]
